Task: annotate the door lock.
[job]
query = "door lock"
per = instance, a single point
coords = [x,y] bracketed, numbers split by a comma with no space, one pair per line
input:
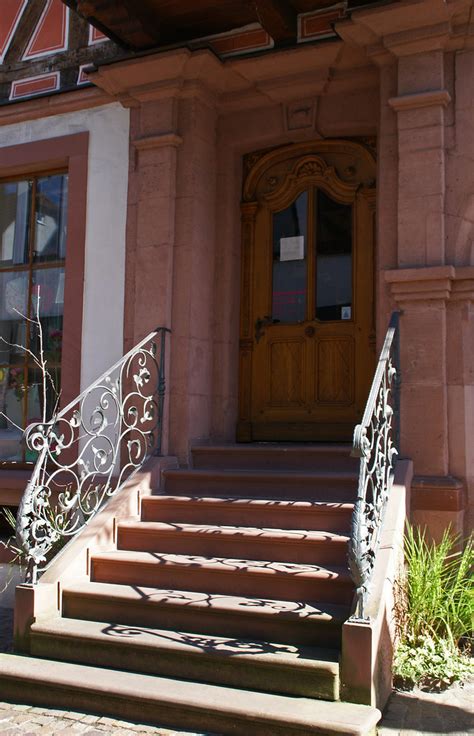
[309,331]
[261,323]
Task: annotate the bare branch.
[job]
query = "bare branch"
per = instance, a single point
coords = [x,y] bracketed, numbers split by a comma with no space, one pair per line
[2,414]
[21,347]
[23,316]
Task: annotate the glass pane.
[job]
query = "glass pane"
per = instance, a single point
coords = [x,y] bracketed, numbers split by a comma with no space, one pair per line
[334,259]
[13,305]
[48,283]
[12,398]
[35,394]
[289,261]
[50,218]
[14,220]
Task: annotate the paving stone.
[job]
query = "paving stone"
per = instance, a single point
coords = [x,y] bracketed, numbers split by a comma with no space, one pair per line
[45,720]
[57,713]
[73,716]
[21,717]
[105,721]
[90,719]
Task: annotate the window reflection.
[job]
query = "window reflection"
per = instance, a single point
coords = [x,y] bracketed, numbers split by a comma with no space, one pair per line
[32,254]
[334,259]
[50,219]
[289,262]
[14,222]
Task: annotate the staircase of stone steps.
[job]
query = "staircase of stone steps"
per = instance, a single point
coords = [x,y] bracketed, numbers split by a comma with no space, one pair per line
[221,608]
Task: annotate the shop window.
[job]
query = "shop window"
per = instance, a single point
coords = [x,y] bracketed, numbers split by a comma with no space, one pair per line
[33,233]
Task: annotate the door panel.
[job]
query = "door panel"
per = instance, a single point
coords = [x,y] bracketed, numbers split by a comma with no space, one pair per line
[306,348]
[335,371]
[286,371]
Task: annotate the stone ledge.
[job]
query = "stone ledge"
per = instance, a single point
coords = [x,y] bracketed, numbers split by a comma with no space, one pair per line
[426,284]
[431,283]
[157,141]
[437,493]
[420,99]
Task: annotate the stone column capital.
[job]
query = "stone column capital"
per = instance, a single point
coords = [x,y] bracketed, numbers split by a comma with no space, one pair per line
[402,29]
[420,285]
[414,101]
[431,284]
[161,140]
[168,74]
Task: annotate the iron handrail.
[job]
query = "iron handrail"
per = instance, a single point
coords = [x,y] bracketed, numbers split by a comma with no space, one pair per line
[376,442]
[88,450]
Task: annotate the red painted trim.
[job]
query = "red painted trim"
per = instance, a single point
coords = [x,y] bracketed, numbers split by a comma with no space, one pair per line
[319,25]
[96,36]
[60,45]
[69,152]
[34,85]
[9,31]
[232,43]
[82,77]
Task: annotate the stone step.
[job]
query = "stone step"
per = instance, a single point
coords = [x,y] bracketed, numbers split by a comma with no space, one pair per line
[283,580]
[293,622]
[237,511]
[314,547]
[335,486]
[176,703]
[269,456]
[258,665]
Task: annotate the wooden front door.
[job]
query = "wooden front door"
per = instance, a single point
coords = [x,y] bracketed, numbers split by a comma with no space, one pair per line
[307,312]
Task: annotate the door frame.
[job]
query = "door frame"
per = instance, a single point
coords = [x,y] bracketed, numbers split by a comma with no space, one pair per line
[353,166]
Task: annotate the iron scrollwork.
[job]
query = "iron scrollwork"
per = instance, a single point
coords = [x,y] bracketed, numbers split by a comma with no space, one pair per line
[89,450]
[376,443]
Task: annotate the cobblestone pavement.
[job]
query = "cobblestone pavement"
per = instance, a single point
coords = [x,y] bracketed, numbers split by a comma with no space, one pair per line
[450,712]
[408,714]
[24,720]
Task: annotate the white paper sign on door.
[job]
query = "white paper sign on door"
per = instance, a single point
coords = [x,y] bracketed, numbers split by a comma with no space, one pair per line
[292,249]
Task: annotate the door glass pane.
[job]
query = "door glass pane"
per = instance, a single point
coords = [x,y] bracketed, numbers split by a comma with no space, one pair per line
[14,220]
[333,259]
[289,261]
[50,218]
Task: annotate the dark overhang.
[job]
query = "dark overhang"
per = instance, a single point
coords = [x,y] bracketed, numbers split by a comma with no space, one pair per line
[145,24]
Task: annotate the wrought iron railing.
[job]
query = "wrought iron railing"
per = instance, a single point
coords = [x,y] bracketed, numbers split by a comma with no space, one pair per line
[376,442]
[89,449]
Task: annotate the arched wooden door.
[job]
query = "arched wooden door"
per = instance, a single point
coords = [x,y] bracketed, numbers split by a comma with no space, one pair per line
[307,292]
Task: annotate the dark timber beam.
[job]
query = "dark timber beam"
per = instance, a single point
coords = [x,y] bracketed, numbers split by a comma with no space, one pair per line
[279,18]
[127,22]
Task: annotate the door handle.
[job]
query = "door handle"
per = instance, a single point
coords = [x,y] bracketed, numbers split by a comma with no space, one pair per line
[261,323]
